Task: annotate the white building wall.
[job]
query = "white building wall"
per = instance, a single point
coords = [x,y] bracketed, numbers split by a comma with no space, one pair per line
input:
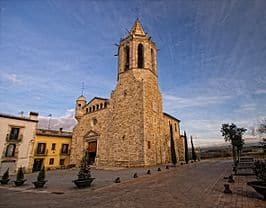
[23,148]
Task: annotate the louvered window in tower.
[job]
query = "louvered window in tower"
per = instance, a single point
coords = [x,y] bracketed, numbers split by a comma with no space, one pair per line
[140,56]
[152,60]
[126,58]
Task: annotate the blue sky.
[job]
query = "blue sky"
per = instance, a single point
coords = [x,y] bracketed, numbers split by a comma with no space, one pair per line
[211,59]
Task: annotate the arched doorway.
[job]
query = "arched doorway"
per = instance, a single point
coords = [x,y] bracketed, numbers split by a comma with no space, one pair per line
[92,149]
[90,140]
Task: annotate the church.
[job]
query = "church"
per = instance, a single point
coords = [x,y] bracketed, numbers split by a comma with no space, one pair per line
[129,129]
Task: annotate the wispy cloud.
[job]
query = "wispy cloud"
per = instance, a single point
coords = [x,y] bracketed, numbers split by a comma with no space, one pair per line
[211,61]
[260,91]
[247,107]
[67,121]
[13,78]
[207,132]
[175,102]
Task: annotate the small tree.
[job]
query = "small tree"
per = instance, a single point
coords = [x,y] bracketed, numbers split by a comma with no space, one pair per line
[84,175]
[41,174]
[194,155]
[186,147]
[262,127]
[262,131]
[20,174]
[173,153]
[84,172]
[234,135]
[260,170]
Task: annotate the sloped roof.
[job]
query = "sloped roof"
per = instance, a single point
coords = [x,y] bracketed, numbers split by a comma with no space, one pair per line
[137,28]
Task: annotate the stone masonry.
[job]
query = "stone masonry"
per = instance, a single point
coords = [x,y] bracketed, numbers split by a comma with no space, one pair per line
[130,129]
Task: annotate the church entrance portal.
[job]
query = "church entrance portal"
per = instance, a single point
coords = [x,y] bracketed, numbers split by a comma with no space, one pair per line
[92,148]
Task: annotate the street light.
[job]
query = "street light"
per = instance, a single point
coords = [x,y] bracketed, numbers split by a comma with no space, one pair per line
[49,121]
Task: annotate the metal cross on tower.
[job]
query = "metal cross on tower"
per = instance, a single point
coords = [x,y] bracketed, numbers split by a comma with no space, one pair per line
[82,88]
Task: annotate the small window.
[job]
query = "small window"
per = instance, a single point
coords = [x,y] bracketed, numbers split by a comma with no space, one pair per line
[53,146]
[149,144]
[10,150]
[62,161]
[93,108]
[94,121]
[105,104]
[125,92]
[101,106]
[14,133]
[51,162]
[87,110]
[90,109]
[79,105]
[64,149]
[175,127]
[97,106]
[41,148]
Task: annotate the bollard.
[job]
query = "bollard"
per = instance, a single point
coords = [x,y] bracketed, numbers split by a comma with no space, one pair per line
[235,170]
[227,189]
[148,172]
[117,180]
[135,175]
[231,179]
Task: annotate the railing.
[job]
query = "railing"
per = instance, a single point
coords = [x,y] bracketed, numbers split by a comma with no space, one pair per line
[13,157]
[10,139]
[37,153]
[65,153]
[244,167]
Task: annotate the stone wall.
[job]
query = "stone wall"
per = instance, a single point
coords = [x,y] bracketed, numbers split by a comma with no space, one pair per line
[132,130]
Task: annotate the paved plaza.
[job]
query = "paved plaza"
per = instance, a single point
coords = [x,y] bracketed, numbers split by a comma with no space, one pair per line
[198,184]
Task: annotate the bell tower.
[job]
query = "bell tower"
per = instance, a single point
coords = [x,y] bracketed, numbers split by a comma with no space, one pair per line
[137,51]
[136,101]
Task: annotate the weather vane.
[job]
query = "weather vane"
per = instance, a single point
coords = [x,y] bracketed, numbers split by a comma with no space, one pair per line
[82,88]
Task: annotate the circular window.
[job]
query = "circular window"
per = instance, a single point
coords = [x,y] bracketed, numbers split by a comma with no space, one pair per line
[93,122]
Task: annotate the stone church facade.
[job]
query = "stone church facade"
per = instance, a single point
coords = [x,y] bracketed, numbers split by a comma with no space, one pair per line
[130,128]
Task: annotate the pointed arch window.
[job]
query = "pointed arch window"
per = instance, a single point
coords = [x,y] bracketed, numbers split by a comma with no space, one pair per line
[152,59]
[140,56]
[126,58]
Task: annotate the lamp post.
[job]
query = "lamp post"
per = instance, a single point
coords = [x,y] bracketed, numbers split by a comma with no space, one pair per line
[49,121]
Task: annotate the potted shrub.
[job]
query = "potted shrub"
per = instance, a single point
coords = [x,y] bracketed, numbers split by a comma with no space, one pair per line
[20,177]
[40,179]
[260,172]
[5,178]
[84,175]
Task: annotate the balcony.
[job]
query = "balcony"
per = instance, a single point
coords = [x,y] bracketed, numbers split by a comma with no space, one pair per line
[41,153]
[10,158]
[65,153]
[10,138]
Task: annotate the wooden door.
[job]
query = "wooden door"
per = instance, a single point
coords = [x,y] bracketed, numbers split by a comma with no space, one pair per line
[92,146]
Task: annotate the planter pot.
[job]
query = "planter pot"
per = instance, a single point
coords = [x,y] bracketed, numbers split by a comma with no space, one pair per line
[83,183]
[19,182]
[259,186]
[4,181]
[39,184]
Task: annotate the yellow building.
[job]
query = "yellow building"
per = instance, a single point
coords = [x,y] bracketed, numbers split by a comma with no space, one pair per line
[51,149]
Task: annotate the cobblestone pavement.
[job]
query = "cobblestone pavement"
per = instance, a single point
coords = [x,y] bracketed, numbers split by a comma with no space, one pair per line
[194,185]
